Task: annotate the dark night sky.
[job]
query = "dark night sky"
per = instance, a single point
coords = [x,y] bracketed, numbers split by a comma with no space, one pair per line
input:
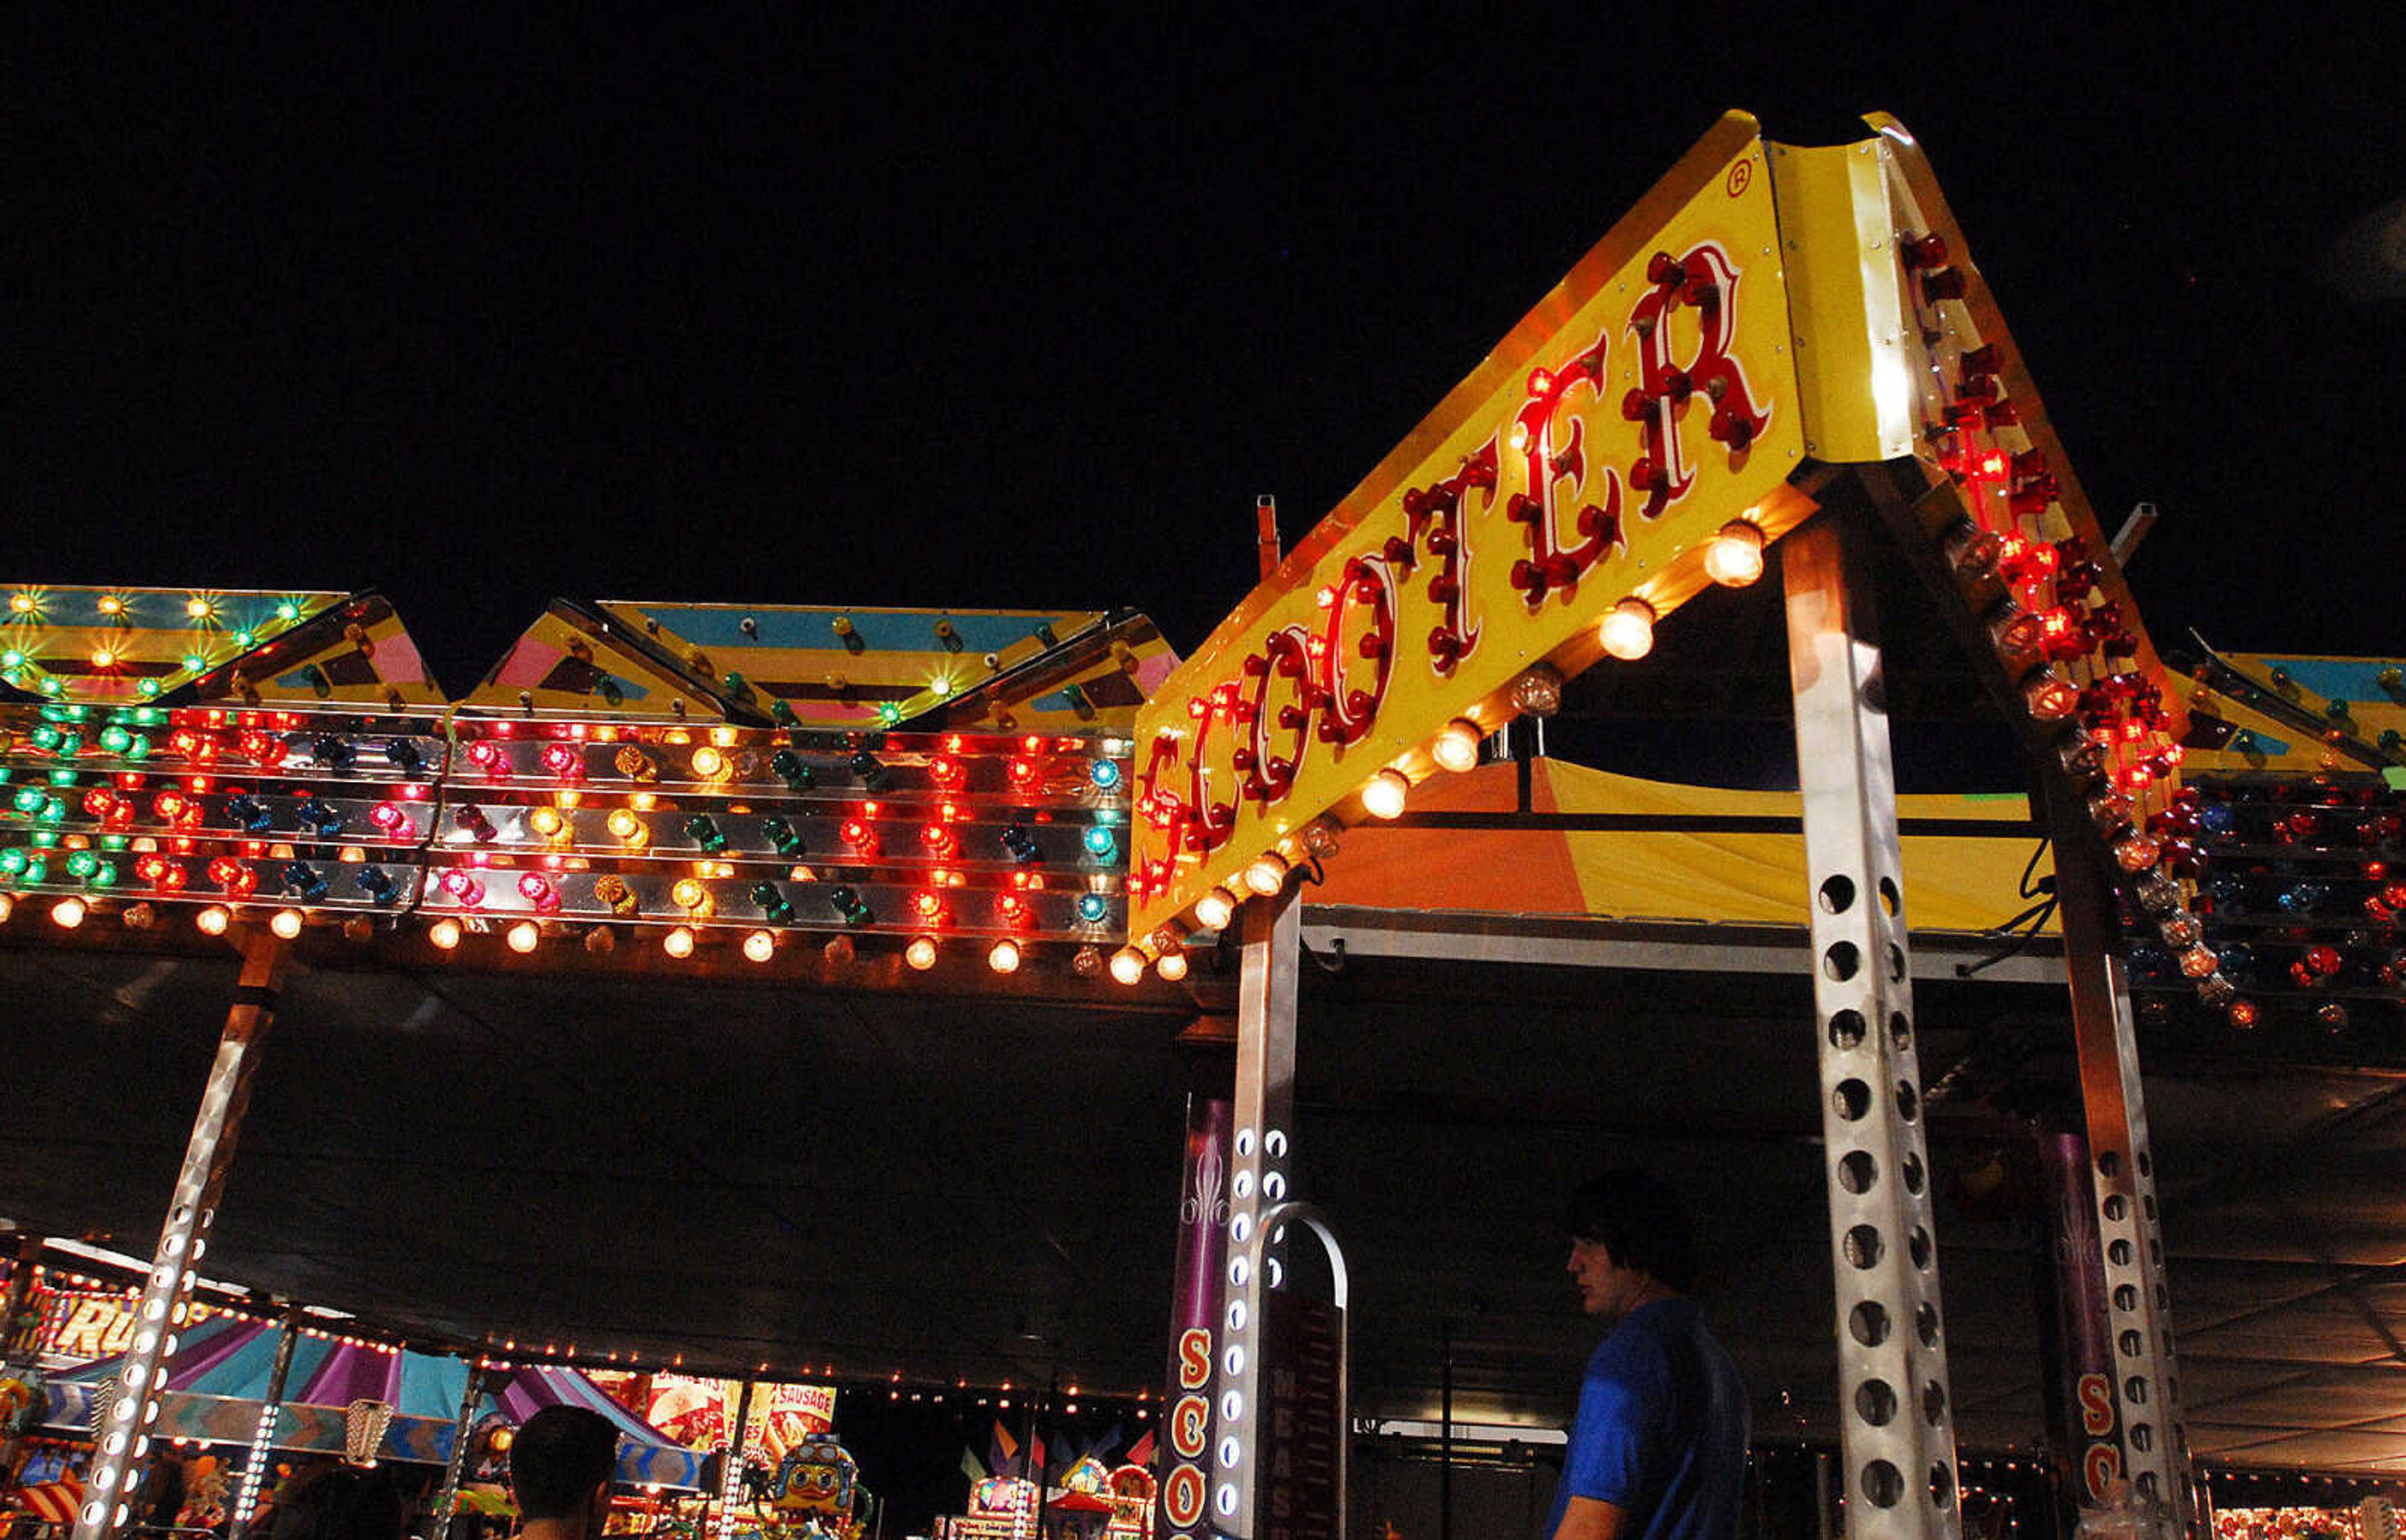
[870,308]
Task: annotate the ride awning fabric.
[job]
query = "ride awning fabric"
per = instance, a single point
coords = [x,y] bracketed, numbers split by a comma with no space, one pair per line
[1660,851]
[218,1380]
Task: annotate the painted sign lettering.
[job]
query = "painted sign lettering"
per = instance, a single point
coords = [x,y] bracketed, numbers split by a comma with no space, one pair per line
[1646,402]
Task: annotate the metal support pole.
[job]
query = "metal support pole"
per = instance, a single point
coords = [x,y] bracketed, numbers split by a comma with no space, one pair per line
[2147,1382]
[1897,1423]
[262,1438]
[447,1502]
[730,1480]
[165,1303]
[1272,932]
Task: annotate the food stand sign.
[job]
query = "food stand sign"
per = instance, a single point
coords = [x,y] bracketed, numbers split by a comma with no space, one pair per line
[1555,505]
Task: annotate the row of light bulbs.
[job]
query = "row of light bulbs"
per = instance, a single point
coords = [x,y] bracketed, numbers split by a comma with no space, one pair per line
[1733,559]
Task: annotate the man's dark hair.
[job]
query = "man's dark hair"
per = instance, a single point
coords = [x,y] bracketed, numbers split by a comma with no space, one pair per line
[1640,1222]
[561,1454]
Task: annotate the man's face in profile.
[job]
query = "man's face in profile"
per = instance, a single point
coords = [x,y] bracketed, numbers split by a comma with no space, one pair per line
[1606,1290]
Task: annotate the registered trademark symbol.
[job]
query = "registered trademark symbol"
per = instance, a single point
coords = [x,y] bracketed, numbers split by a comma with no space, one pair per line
[1739,175]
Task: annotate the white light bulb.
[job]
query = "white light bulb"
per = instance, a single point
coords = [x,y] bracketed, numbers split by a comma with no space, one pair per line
[1734,557]
[1215,909]
[1384,795]
[1628,629]
[1457,745]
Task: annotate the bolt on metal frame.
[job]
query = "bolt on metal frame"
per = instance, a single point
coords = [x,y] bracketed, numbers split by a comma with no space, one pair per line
[1896,1419]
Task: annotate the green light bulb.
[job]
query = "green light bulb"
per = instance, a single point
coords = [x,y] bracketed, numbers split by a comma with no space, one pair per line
[53,811]
[288,611]
[147,686]
[29,800]
[114,842]
[146,716]
[12,658]
[45,737]
[37,870]
[63,777]
[116,739]
[194,662]
[13,862]
[890,711]
[83,863]
[106,875]
[137,746]
[44,839]
[245,640]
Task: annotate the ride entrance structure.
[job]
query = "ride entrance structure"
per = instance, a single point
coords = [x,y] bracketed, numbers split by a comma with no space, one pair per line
[1778,346]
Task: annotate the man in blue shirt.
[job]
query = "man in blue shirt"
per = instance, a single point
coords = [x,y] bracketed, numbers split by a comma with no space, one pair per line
[1658,1451]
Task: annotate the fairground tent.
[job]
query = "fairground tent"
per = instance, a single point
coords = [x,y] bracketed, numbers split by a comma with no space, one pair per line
[218,1378]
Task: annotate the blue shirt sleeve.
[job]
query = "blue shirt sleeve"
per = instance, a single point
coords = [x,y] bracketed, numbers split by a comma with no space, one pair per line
[1622,1413]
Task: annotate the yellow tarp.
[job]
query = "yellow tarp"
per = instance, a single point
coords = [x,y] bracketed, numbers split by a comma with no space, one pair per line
[1952,881]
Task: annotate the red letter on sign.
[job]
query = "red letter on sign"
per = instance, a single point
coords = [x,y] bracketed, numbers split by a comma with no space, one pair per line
[1553,471]
[1193,1358]
[1182,1496]
[1190,1422]
[1704,281]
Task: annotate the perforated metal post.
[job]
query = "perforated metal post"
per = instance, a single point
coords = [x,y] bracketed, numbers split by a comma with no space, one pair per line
[262,1435]
[447,1502]
[1897,1421]
[2147,1383]
[166,1303]
[1258,1177]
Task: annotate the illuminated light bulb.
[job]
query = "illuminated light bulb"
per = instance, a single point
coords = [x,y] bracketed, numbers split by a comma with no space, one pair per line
[23,603]
[1628,630]
[2049,695]
[708,763]
[1384,794]
[199,609]
[462,885]
[7,907]
[1004,958]
[678,943]
[562,760]
[690,896]
[286,923]
[629,829]
[1127,965]
[1101,843]
[1734,559]
[103,659]
[921,953]
[1215,909]
[524,936]
[213,920]
[1093,908]
[1267,873]
[67,913]
[1172,966]
[536,889]
[1456,747]
[759,946]
[545,821]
